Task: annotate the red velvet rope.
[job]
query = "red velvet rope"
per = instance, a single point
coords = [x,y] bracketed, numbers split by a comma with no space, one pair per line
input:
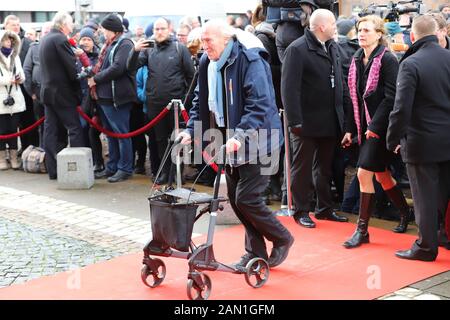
[24,131]
[111,134]
[206,156]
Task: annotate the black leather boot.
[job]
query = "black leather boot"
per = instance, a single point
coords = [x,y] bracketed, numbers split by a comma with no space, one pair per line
[398,199]
[361,235]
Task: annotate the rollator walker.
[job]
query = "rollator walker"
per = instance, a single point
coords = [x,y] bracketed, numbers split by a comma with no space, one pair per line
[173,213]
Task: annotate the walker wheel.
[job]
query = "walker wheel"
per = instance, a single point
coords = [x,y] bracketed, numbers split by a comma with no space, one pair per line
[195,292]
[257,272]
[158,273]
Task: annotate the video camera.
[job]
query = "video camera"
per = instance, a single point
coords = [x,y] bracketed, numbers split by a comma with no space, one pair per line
[391,12]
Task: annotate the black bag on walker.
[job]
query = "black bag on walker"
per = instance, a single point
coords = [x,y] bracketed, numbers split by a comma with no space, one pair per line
[172,223]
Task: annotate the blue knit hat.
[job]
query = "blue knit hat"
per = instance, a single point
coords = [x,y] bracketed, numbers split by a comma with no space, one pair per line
[87,33]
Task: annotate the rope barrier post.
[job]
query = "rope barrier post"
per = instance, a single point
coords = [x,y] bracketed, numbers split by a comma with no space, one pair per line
[176,103]
[287,167]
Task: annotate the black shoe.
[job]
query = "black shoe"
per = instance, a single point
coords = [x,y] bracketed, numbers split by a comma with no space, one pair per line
[415,255]
[404,221]
[99,167]
[139,170]
[241,264]
[332,216]
[357,239]
[280,253]
[304,220]
[119,176]
[103,174]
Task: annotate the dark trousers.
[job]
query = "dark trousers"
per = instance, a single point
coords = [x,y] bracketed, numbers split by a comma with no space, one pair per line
[245,187]
[306,152]
[137,121]
[39,112]
[429,189]
[27,118]
[60,122]
[8,125]
[91,139]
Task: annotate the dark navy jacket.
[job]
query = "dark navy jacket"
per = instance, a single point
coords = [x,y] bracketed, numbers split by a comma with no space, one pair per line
[249,102]
[115,85]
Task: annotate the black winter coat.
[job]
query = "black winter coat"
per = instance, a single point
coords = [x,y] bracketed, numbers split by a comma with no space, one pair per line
[170,72]
[379,102]
[306,87]
[59,83]
[421,116]
[268,40]
[115,76]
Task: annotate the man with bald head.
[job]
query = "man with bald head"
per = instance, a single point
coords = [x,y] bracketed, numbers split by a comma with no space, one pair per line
[420,123]
[170,72]
[312,89]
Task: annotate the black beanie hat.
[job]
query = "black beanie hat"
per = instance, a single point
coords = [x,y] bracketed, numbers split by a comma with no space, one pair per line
[112,23]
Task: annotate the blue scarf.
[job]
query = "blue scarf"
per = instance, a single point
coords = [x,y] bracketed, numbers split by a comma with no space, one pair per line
[215,84]
[6,51]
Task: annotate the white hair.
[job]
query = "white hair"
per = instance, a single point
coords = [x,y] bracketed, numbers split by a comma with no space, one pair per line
[60,19]
[221,26]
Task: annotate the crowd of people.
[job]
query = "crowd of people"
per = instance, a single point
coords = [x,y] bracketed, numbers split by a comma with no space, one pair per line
[349,95]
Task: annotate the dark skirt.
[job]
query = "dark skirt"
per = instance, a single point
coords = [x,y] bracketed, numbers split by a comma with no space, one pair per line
[373,155]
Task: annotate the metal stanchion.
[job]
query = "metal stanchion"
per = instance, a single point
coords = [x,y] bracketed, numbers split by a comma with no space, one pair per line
[287,168]
[176,103]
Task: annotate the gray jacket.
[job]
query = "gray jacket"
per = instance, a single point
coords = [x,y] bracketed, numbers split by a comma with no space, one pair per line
[32,69]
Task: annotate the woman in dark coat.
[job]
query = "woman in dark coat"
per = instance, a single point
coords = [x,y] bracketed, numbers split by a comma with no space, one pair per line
[372,83]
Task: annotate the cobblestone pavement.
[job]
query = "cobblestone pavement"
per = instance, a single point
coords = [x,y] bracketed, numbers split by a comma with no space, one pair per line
[27,253]
[41,236]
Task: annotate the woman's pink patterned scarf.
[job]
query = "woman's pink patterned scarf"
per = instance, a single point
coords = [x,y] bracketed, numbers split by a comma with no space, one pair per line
[372,83]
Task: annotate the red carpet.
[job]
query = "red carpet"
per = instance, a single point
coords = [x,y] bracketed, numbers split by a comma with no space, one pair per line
[318,267]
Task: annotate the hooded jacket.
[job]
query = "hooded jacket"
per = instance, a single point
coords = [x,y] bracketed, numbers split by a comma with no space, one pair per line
[249,100]
[10,67]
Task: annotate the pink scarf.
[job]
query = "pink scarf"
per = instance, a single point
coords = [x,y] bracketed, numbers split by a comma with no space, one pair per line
[372,83]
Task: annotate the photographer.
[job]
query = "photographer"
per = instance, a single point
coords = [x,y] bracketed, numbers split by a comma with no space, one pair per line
[12,101]
[170,71]
[293,17]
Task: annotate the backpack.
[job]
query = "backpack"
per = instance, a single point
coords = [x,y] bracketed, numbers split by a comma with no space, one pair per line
[33,160]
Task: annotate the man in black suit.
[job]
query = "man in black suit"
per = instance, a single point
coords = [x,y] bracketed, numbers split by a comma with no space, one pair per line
[420,121]
[60,90]
[312,89]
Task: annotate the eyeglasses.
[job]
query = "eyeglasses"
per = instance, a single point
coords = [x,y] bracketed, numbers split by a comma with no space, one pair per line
[160,29]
